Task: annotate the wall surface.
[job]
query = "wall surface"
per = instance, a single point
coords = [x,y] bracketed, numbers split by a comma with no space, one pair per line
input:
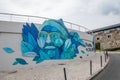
[109,39]
[10,36]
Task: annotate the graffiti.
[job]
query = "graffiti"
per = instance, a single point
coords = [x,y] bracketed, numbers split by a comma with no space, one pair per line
[20,61]
[51,41]
[89,47]
[17,60]
[8,50]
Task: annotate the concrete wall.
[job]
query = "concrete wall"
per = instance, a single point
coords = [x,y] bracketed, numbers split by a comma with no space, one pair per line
[10,36]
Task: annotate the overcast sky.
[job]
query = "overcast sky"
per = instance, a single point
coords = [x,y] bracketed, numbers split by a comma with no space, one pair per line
[89,13]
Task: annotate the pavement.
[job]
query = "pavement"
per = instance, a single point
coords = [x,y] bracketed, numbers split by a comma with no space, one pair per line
[112,71]
[2,75]
[76,69]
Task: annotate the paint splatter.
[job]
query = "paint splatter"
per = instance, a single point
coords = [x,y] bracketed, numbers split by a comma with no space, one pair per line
[8,50]
[15,63]
[20,61]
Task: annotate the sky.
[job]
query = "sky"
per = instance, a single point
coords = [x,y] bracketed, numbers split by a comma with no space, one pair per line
[91,14]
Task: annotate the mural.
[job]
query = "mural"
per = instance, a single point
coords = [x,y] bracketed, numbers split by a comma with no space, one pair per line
[8,50]
[89,46]
[20,61]
[51,41]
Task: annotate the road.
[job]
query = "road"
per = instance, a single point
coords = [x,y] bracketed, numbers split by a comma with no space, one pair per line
[112,71]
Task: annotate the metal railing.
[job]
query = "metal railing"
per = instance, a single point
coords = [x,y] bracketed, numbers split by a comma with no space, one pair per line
[38,20]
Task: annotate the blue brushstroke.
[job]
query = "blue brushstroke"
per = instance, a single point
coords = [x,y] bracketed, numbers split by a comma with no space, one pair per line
[34,31]
[21,61]
[83,51]
[36,58]
[8,50]
[30,54]
[39,60]
[24,37]
[26,47]
[31,40]
[15,63]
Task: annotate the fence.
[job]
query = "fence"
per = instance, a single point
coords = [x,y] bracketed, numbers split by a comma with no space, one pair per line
[37,19]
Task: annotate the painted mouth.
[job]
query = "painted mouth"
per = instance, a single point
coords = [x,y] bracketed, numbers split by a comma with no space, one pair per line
[49,47]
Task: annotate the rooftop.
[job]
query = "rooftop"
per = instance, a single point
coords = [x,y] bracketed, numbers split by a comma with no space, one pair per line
[105,28]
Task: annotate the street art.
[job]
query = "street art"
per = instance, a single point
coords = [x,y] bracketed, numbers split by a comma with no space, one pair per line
[51,41]
[8,50]
[89,47]
[20,61]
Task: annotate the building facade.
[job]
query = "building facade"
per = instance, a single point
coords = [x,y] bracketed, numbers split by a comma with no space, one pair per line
[107,37]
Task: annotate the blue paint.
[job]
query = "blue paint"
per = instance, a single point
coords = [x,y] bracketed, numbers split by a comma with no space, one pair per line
[34,31]
[21,61]
[15,63]
[39,60]
[8,50]
[51,41]
[83,52]
[36,58]
[31,40]
[30,54]
[26,47]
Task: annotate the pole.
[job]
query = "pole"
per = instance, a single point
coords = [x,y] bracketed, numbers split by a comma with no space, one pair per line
[101,60]
[91,67]
[65,74]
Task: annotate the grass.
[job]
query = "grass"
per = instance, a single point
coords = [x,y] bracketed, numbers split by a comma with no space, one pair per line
[116,51]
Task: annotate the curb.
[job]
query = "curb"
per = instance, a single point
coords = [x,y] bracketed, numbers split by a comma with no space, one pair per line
[99,71]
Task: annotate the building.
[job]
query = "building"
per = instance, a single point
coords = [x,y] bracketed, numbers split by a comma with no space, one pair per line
[107,37]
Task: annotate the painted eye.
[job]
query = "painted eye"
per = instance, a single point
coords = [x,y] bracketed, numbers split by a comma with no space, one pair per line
[55,35]
[58,42]
[43,35]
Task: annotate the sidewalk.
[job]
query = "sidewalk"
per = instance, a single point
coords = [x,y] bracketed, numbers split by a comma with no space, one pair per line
[77,69]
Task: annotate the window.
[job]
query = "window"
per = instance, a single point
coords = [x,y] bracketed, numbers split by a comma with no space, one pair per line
[109,36]
[98,38]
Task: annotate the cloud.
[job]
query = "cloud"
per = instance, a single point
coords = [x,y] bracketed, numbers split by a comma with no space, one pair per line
[110,7]
[61,7]
[89,13]
[107,7]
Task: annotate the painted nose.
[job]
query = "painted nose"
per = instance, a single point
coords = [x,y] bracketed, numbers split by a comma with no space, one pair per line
[48,39]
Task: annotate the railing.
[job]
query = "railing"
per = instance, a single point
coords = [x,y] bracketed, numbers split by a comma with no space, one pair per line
[38,20]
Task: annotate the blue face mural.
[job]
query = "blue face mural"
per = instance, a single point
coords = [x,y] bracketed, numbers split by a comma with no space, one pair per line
[51,41]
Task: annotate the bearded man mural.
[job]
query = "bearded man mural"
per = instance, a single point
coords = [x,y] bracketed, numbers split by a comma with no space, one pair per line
[51,41]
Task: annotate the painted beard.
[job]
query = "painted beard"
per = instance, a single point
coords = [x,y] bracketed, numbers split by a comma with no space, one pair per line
[52,53]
